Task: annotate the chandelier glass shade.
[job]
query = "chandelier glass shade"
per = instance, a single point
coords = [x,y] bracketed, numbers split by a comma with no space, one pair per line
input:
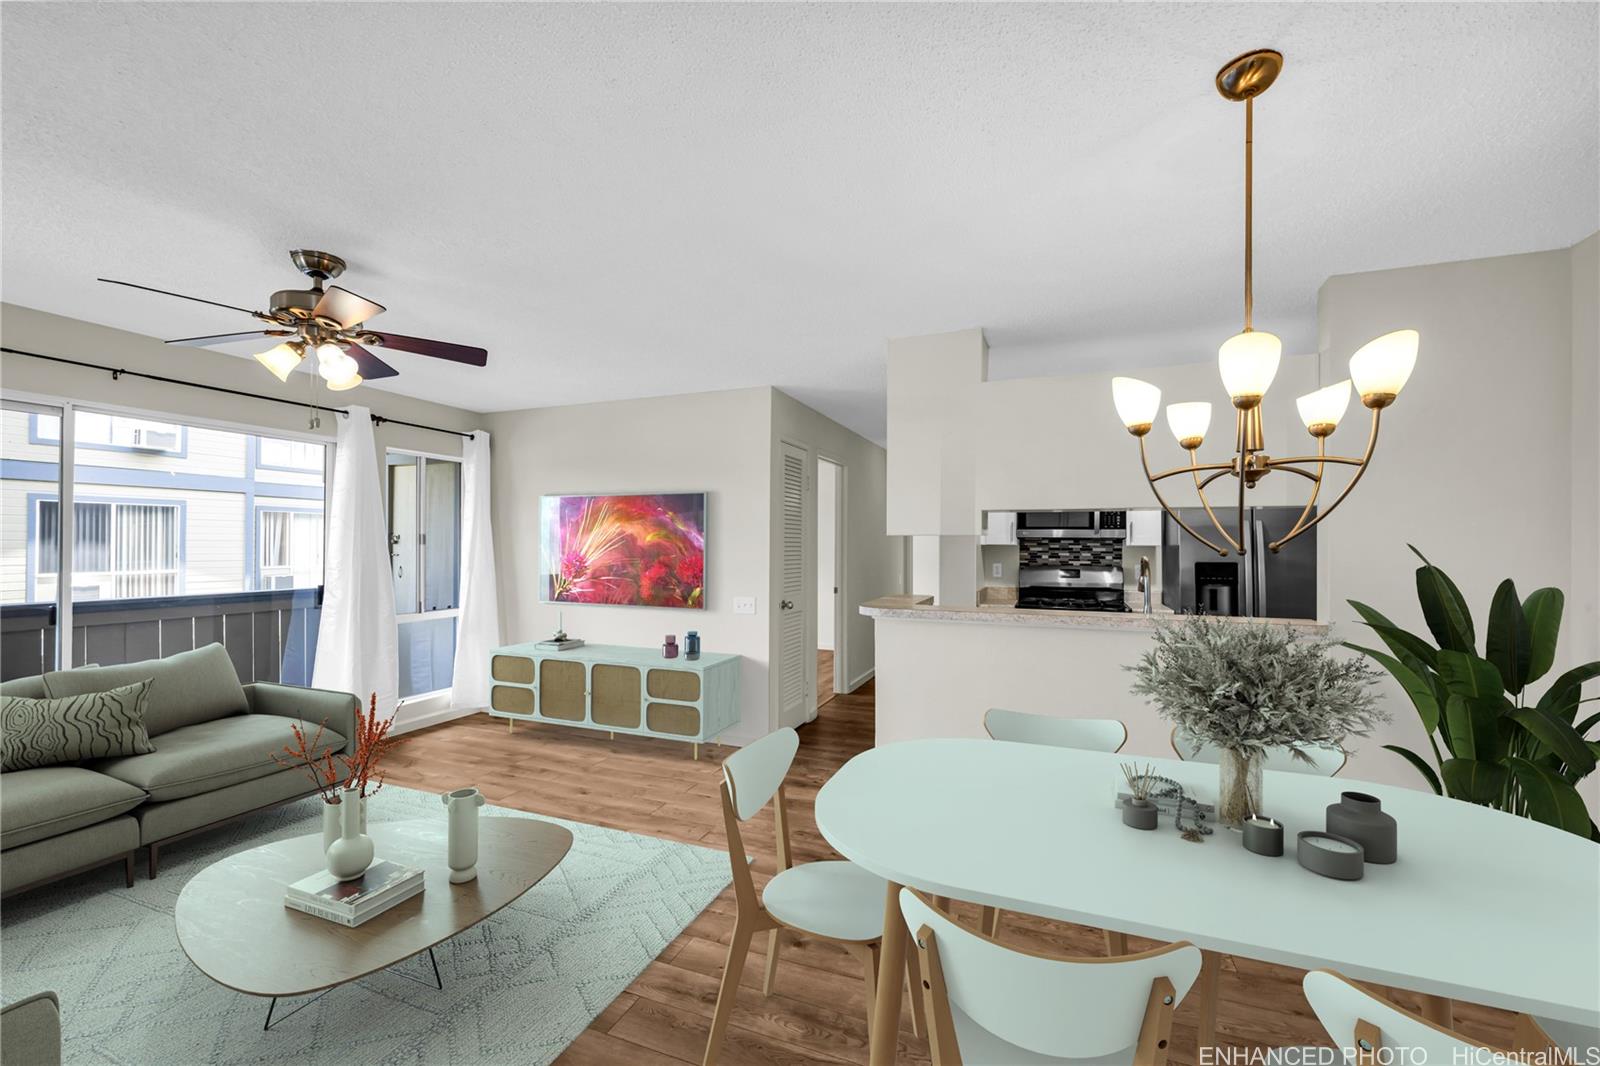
[1248,363]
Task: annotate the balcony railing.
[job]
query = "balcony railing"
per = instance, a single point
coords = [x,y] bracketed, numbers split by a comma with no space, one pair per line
[270,636]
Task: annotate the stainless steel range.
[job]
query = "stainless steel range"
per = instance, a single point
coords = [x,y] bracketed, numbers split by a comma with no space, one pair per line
[1071,560]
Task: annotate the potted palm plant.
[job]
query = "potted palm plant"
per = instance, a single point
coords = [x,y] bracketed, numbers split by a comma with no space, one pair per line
[1246,687]
[1492,742]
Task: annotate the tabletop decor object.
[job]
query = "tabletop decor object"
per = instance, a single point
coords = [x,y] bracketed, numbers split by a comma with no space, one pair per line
[351,851]
[462,807]
[669,647]
[1360,817]
[691,645]
[318,763]
[1331,856]
[1263,836]
[1139,812]
[1247,688]
[1492,742]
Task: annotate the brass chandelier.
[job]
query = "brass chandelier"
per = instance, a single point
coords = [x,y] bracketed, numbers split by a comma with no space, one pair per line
[1248,361]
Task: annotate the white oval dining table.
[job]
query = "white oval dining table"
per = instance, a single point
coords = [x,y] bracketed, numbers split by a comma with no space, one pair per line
[1481,906]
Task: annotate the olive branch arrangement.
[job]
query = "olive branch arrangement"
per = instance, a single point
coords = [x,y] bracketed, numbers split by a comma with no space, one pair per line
[361,775]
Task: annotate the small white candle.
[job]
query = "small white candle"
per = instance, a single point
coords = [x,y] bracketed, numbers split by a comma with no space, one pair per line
[1338,847]
[1263,822]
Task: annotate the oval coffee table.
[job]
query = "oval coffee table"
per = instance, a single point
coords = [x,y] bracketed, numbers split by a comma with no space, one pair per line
[234,927]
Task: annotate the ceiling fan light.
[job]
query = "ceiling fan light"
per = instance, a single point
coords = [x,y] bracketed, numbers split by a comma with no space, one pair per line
[1189,422]
[1383,365]
[1321,410]
[335,364]
[281,359]
[348,383]
[1137,403]
[1248,362]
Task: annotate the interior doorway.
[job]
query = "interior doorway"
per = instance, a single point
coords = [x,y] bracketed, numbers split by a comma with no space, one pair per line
[832,626]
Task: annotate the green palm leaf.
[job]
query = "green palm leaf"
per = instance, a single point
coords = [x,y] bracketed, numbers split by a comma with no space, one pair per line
[1443,607]
[1422,767]
[1551,799]
[1542,609]
[1508,644]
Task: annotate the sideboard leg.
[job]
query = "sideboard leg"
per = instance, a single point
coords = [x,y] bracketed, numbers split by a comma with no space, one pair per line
[511,723]
[696,747]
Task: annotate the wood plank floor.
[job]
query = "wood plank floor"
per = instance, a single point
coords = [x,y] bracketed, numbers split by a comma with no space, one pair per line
[815,1013]
[824,676]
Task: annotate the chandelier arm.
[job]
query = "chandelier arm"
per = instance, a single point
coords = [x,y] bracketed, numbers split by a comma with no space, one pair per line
[1318,459]
[1228,469]
[1175,471]
[1316,488]
[1244,458]
[1372,445]
[1201,492]
[1144,457]
[1308,475]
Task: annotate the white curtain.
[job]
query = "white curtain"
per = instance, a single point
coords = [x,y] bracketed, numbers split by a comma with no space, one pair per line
[357,646]
[478,628]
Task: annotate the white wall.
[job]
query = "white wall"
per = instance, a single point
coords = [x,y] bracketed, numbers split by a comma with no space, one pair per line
[827,515]
[716,442]
[874,560]
[1583,616]
[932,450]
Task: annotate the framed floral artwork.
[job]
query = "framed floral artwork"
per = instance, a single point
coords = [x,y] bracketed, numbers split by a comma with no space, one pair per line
[639,550]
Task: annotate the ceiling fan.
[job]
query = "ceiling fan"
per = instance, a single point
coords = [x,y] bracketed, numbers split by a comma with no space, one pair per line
[330,322]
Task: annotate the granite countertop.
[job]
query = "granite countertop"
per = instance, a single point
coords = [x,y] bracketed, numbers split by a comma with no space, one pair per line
[923,609]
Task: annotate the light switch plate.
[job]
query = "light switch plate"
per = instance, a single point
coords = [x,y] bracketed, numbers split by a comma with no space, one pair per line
[994,571]
[744,605]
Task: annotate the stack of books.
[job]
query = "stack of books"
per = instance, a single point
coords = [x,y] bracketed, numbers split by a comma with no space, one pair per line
[565,644]
[353,902]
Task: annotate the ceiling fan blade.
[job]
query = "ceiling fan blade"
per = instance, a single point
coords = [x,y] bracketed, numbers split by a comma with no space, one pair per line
[228,338]
[372,368]
[179,295]
[456,353]
[345,308]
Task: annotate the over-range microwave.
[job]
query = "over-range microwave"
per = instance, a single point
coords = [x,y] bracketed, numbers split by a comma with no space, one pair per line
[1111,525]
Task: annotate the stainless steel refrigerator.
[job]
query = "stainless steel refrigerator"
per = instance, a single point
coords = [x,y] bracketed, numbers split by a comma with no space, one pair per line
[1263,584]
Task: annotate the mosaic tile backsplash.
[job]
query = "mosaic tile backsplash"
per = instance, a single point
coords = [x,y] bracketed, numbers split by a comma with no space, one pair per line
[1069,551]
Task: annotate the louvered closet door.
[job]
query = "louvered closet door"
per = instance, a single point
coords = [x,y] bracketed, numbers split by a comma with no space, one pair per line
[794,675]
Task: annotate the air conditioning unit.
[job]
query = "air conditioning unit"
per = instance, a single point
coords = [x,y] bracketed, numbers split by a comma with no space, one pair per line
[155,440]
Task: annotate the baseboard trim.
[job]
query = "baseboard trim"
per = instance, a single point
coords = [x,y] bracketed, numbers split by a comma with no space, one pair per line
[405,723]
[862,680]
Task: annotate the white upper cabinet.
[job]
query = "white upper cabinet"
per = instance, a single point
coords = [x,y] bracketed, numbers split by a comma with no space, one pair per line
[1000,527]
[1144,529]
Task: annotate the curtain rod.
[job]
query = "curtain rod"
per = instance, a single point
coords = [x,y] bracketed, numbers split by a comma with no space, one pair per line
[118,372]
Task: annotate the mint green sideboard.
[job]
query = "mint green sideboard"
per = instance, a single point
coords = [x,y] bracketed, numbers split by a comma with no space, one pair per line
[618,689]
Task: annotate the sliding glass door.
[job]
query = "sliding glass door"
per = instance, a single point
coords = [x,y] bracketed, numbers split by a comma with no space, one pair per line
[425,562]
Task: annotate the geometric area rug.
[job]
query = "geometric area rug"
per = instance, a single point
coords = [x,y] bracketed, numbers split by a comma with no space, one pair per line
[518,987]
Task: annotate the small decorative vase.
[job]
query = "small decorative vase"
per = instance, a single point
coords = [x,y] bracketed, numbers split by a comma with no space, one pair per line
[462,811]
[1139,814]
[691,645]
[351,854]
[669,649]
[330,821]
[1238,786]
[1359,817]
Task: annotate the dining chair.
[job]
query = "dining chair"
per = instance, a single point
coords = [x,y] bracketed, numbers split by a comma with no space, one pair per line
[1371,1030]
[835,900]
[992,1005]
[1085,734]
[1325,760]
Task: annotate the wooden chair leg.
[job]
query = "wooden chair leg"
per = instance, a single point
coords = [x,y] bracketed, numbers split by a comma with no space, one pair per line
[919,1009]
[738,948]
[1210,967]
[1116,944]
[989,921]
[773,940]
[870,959]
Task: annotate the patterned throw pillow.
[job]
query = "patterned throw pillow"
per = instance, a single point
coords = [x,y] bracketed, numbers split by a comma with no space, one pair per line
[95,725]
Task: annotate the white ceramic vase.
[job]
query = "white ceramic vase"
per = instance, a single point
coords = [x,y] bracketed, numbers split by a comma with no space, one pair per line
[351,853]
[330,821]
[462,811]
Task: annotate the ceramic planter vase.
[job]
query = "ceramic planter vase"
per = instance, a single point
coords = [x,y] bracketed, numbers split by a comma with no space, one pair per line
[462,812]
[1360,817]
[350,853]
[1238,786]
[330,822]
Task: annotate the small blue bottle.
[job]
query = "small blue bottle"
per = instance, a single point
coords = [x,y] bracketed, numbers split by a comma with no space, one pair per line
[691,645]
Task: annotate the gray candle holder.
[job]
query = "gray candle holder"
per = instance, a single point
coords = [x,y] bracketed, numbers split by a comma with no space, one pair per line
[1331,855]
[1139,814]
[1263,836]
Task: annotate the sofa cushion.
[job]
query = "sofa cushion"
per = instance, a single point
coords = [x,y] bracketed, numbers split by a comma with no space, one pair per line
[52,800]
[190,687]
[95,725]
[200,758]
[27,687]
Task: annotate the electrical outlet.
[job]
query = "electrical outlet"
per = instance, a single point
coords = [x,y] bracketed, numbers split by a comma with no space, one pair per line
[994,571]
[744,605]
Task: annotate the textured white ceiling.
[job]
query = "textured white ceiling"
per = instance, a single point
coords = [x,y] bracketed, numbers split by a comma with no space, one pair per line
[639,200]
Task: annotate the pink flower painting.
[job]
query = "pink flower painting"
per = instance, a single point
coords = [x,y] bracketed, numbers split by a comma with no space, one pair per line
[635,550]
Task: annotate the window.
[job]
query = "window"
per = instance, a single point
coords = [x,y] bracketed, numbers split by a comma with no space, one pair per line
[288,549]
[425,562]
[278,454]
[96,430]
[120,549]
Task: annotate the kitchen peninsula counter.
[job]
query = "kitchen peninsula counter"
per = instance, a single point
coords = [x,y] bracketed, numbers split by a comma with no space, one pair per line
[923,609]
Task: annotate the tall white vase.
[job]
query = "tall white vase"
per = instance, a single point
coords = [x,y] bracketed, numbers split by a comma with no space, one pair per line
[462,811]
[351,854]
[330,821]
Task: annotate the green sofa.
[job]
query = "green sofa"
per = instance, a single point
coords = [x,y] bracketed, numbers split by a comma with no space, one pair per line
[214,740]
[30,1031]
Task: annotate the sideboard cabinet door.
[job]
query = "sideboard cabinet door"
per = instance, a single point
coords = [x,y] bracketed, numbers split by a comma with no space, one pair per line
[615,700]
[562,690]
